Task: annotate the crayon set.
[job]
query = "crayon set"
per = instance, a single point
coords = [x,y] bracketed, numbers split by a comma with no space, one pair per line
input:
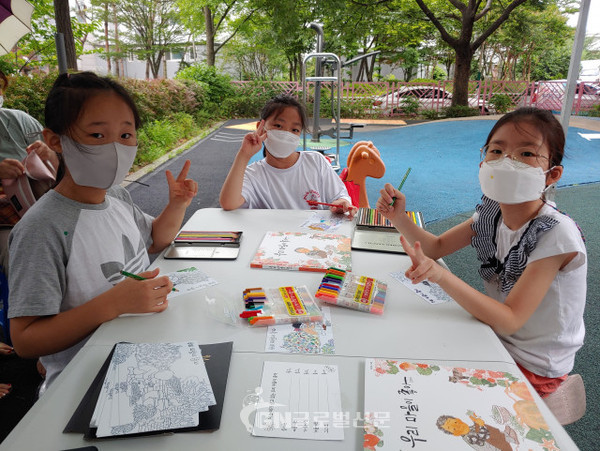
[356,292]
[283,305]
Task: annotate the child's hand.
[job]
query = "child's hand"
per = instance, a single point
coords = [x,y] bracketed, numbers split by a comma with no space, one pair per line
[342,206]
[253,141]
[11,168]
[181,189]
[44,152]
[143,296]
[390,194]
[423,267]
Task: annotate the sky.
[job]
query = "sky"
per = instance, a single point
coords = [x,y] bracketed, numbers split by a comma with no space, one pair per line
[593,22]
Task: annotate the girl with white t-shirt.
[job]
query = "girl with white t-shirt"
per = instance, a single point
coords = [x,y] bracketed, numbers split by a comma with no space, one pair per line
[533,257]
[285,178]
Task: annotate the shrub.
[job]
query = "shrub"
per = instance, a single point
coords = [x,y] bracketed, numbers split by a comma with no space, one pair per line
[430,114]
[217,85]
[248,99]
[502,103]
[460,111]
[408,106]
[29,93]
[161,98]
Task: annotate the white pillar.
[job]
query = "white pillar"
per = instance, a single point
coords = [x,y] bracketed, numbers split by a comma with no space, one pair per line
[565,115]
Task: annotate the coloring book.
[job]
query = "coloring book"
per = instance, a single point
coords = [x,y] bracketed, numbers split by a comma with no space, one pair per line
[429,407]
[302,251]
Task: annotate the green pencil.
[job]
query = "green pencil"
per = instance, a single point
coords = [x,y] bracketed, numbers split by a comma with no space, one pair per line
[136,277]
[401,185]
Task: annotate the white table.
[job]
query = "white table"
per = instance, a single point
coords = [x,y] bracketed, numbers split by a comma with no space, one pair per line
[409,329]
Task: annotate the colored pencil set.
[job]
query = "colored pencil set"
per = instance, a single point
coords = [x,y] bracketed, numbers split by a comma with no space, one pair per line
[356,292]
[282,305]
[370,217]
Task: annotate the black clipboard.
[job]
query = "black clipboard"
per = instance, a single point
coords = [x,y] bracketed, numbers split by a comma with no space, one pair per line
[217,357]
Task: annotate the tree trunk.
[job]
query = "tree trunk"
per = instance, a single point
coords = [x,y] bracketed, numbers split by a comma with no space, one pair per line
[117,48]
[210,36]
[106,41]
[462,71]
[63,25]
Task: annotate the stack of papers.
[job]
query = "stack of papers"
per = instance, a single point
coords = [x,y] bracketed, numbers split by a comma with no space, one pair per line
[152,387]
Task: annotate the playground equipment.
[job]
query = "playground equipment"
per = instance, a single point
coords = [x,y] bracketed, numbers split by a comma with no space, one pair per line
[332,61]
[364,160]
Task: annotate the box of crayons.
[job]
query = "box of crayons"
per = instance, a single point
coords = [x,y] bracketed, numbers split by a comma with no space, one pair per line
[283,305]
[356,292]
[370,218]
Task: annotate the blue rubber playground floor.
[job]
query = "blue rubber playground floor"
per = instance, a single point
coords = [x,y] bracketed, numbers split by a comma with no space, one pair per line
[444,160]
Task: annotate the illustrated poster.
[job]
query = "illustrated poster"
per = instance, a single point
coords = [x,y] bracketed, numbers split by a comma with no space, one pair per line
[416,406]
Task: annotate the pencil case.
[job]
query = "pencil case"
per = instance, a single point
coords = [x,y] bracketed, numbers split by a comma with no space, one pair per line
[345,289]
[282,305]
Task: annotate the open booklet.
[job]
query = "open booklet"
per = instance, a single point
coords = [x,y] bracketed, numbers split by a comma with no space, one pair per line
[146,381]
[373,232]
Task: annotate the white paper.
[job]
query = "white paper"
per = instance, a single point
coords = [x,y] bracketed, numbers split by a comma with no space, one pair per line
[431,292]
[319,223]
[153,387]
[188,280]
[302,338]
[299,401]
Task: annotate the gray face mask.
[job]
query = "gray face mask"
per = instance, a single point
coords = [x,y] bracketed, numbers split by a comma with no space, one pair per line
[97,166]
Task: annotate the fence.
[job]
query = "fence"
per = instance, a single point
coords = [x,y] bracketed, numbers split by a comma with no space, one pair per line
[488,96]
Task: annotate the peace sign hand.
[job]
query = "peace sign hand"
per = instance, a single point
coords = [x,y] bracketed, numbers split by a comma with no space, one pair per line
[181,189]
[423,267]
[253,141]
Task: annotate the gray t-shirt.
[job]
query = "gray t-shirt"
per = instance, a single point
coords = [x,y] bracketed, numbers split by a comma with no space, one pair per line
[17,130]
[64,253]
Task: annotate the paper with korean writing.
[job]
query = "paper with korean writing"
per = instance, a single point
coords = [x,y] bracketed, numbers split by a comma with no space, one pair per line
[429,407]
[299,401]
[429,291]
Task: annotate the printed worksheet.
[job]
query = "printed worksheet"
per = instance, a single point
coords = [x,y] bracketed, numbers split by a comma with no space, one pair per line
[302,338]
[300,401]
[431,292]
[319,223]
[153,387]
[188,280]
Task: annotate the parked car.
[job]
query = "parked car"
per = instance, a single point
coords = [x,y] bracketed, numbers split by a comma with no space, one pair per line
[428,97]
[548,95]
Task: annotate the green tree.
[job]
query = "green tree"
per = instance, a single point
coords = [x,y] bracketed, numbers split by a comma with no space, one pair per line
[215,18]
[151,27]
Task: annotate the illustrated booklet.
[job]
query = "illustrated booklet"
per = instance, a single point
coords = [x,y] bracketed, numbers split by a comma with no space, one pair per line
[155,365]
[428,407]
[301,251]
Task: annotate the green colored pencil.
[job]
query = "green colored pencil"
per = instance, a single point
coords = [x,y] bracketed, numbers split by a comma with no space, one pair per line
[136,277]
[401,185]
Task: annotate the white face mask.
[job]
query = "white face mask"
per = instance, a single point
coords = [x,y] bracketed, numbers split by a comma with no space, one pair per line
[511,182]
[97,166]
[1,100]
[281,144]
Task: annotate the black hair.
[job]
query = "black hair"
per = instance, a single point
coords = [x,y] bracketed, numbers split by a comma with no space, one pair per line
[70,93]
[279,103]
[545,122]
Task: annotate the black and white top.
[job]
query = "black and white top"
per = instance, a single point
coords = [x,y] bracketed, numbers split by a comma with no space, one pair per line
[547,343]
